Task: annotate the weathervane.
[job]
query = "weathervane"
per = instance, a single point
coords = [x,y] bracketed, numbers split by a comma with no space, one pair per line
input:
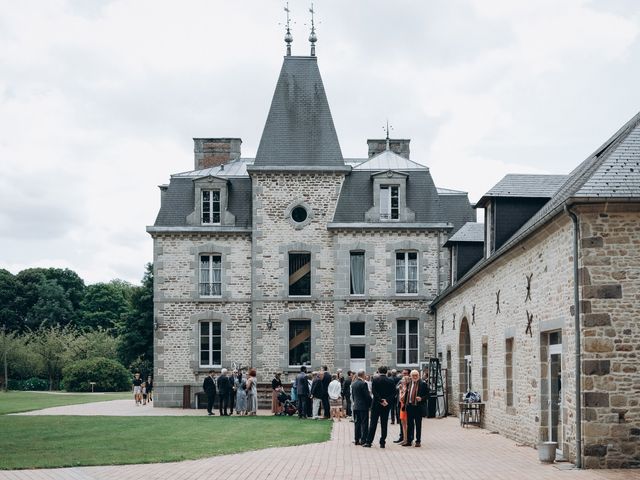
[387,131]
[312,36]
[288,38]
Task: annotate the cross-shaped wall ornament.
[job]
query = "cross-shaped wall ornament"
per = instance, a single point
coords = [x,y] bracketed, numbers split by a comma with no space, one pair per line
[454,321]
[498,302]
[528,297]
[529,320]
[473,314]
[442,326]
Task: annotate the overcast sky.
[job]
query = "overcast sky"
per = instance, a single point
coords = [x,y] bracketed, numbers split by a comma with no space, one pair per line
[100,100]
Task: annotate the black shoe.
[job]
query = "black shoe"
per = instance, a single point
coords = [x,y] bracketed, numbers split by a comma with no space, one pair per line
[209,413]
[382,445]
[400,440]
[366,445]
[357,442]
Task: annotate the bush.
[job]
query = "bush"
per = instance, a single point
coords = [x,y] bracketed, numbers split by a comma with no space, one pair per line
[30,384]
[109,375]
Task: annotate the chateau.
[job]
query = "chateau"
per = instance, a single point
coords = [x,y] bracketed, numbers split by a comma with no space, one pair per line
[300,256]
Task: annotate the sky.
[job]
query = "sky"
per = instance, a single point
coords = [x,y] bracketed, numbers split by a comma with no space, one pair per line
[100,100]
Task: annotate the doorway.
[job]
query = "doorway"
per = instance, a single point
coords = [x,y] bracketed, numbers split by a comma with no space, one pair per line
[554,377]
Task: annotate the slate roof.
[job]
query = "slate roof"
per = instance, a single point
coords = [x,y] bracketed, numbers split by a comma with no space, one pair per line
[237,168]
[612,172]
[525,186]
[388,160]
[299,130]
[178,202]
[456,208]
[469,232]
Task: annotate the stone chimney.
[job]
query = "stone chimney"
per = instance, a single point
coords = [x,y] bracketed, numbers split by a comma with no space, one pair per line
[211,152]
[399,146]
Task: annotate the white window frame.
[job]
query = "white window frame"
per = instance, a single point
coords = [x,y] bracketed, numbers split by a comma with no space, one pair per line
[210,270]
[211,349]
[386,210]
[211,203]
[407,336]
[405,278]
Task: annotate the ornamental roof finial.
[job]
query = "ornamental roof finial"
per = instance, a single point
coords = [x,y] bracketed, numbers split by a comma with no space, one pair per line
[313,38]
[288,38]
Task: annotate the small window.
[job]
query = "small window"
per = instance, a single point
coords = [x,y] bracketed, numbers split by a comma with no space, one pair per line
[210,275]
[356,329]
[300,274]
[389,202]
[299,214]
[406,272]
[210,207]
[508,361]
[407,342]
[210,344]
[357,352]
[356,279]
[299,342]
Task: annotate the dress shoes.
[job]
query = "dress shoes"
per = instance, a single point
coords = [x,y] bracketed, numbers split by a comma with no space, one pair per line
[366,445]
[357,442]
[405,444]
[400,440]
[382,445]
[417,444]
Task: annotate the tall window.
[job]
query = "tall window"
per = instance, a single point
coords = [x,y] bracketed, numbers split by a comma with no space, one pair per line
[210,275]
[407,342]
[406,272]
[210,207]
[210,344]
[389,203]
[508,361]
[357,273]
[299,342]
[300,274]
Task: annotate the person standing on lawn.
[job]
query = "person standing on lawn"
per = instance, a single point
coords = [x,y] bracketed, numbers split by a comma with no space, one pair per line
[326,380]
[137,388]
[276,387]
[252,392]
[223,392]
[150,389]
[209,387]
[302,391]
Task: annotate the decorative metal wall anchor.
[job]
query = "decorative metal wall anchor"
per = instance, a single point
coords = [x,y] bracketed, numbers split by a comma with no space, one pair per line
[528,297]
[442,326]
[529,320]
[473,314]
[498,302]
[269,323]
[454,321]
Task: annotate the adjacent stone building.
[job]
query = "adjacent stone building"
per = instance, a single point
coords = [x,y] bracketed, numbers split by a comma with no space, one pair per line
[298,256]
[507,325]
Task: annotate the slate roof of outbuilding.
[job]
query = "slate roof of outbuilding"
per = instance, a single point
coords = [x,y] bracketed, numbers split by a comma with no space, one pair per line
[469,232]
[299,130]
[456,208]
[525,185]
[611,172]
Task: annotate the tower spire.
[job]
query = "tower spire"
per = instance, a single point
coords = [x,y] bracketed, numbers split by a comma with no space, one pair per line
[288,38]
[312,36]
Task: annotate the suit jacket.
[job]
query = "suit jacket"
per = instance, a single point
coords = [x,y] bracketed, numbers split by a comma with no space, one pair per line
[209,386]
[360,395]
[317,388]
[423,391]
[382,388]
[302,385]
[346,388]
[326,380]
[223,385]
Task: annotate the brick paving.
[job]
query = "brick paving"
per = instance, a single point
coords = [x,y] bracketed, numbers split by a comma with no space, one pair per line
[448,453]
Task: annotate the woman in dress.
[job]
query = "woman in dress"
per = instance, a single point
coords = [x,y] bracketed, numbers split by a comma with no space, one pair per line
[252,392]
[335,398]
[402,390]
[241,395]
[276,387]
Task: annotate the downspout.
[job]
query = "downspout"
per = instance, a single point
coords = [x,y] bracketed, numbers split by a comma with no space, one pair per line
[576,310]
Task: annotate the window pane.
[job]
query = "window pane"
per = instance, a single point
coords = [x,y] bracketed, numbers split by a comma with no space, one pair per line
[402,356]
[300,342]
[413,341]
[299,274]
[216,328]
[358,351]
[357,273]
[413,326]
[402,326]
[217,358]
[413,356]
[215,195]
[204,328]
[215,342]
[204,357]
[356,329]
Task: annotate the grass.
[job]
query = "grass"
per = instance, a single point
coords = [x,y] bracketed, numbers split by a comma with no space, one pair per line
[14,402]
[64,441]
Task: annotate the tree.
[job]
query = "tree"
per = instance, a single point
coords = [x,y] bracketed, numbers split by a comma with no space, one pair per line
[9,317]
[51,344]
[7,341]
[104,304]
[93,343]
[136,327]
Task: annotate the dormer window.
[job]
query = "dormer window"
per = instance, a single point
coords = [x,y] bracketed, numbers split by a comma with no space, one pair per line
[389,202]
[210,207]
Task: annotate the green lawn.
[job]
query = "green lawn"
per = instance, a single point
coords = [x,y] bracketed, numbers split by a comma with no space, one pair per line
[62,441]
[14,402]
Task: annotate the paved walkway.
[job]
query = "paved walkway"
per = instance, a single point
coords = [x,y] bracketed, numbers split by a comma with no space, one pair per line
[448,453]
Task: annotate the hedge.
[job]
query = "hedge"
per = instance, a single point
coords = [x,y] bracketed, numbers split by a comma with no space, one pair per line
[108,375]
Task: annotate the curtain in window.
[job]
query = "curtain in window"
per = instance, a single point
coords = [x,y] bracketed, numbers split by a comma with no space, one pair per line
[204,275]
[413,272]
[216,280]
[357,273]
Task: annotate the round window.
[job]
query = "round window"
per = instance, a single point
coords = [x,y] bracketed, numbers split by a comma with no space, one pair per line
[299,214]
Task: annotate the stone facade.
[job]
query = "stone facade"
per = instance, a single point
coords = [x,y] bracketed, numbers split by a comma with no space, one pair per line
[609,259]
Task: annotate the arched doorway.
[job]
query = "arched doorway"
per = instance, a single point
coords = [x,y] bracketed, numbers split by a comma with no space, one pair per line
[464,357]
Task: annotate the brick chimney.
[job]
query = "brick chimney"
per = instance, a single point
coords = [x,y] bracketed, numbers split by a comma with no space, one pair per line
[211,152]
[399,146]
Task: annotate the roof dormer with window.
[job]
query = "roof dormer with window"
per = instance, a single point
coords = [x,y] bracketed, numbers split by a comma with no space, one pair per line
[211,203]
[390,198]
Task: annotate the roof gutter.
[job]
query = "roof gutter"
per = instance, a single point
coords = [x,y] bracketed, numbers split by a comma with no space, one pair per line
[577,332]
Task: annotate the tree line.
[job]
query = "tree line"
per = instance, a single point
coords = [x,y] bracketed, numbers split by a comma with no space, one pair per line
[50,321]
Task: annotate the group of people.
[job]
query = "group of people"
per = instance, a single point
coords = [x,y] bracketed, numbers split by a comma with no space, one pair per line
[369,401]
[236,391]
[142,391]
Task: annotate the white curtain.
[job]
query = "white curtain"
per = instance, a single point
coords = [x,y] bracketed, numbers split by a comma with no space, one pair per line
[357,273]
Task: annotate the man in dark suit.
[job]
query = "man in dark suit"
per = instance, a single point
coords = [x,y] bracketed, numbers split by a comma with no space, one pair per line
[346,391]
[361,404]
[415,397]
[209,387]
[383,391]
[302,389]
[326,380]
[223,392]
